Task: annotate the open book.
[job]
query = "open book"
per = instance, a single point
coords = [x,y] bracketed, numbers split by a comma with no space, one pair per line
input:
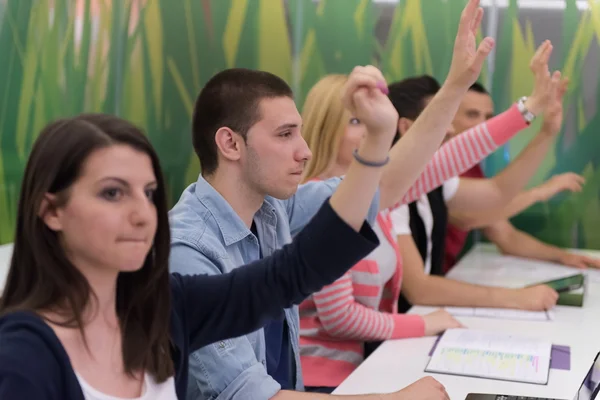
[493,355]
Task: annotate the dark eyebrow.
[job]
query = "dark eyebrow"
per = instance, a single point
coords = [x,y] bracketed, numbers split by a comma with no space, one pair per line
[112,178]
[286,126]
[124,183]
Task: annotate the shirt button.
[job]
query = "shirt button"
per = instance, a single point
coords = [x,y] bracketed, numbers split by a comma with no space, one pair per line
[264,363]
[222,345]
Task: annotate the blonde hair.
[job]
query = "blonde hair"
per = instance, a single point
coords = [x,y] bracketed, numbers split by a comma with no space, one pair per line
[324,119]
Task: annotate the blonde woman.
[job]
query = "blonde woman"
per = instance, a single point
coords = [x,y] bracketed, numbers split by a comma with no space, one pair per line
[362,306]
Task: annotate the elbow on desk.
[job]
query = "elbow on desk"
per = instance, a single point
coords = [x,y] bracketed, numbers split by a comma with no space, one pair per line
[501,235]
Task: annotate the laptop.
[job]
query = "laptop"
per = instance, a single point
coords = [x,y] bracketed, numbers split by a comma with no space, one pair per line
[587,391]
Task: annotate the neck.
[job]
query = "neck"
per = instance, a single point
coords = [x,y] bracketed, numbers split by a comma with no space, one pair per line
[103,307]
[334,170]
[244,200]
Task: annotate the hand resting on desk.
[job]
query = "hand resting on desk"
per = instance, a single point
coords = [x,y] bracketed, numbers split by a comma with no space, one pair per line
[536,298]
[424,389]
[438,321]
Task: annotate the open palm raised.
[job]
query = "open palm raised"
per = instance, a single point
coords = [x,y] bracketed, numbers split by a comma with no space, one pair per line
[467,58]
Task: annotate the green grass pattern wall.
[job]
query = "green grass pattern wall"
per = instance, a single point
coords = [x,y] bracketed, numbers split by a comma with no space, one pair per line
[146,60]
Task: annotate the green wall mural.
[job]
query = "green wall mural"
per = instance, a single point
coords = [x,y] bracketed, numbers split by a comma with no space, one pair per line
[146,60]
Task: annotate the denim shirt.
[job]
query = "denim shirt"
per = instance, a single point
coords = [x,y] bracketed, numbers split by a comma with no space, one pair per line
[208,237]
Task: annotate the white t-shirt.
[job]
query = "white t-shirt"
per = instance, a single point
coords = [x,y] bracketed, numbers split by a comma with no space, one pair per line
[401,216]
[385,253]
[151,390]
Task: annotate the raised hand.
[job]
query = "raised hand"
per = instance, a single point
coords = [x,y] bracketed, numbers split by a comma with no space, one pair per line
[546,88]
[467,58]
[559,183]
[365,96]
[553,116]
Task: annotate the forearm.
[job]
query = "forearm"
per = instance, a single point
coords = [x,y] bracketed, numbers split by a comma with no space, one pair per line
[440,291]
[360,323]
[354,195]
[342,317]
[512,241]
[290,395]
[518,173]
[474,220]
[422,289]
[410,155]
[460,154]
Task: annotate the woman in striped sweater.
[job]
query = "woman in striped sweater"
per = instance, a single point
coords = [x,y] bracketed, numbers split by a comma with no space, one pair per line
[362,305]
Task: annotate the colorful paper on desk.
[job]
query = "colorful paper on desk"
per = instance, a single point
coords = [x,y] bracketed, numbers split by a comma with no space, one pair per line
[560,356]
[492,355]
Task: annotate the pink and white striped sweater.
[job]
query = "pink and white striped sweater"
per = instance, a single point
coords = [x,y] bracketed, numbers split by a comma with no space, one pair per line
[358,307]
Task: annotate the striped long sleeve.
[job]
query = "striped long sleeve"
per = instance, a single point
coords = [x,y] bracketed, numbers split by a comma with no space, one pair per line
[344,318]
[466,150]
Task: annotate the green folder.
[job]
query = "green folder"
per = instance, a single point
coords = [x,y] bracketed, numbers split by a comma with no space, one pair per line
[571,289]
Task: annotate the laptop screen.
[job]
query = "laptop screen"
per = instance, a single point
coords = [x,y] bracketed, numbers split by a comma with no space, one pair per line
[591,384]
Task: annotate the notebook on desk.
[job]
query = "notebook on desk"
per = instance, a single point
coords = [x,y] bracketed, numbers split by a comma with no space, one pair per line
[588,390]
[491,355]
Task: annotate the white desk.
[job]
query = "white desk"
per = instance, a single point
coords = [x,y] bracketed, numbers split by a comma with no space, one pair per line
[398,363]
[5,255]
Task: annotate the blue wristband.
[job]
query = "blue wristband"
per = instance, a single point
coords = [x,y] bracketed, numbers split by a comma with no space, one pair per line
[370,163]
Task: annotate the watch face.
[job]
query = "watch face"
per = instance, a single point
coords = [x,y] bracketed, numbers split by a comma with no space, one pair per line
[529,117]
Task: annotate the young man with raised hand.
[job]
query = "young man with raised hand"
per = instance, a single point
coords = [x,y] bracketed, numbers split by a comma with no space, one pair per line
[247,203]
[476,107]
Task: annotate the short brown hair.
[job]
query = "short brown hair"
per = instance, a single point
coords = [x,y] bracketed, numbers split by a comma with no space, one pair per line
[231,99]
[409,95]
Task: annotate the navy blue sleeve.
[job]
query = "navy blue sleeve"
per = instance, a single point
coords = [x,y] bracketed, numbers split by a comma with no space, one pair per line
[224,306]
[29,368]
[15,386]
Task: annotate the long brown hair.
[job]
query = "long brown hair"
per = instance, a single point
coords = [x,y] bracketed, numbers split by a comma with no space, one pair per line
[41,278]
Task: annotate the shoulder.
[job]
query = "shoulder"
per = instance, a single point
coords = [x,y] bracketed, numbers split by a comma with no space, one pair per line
[26,330]
[189,217]
[194,231]
[31,354]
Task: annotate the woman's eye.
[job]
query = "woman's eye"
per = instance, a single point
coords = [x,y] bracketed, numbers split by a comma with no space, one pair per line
[112,194]
[150,194]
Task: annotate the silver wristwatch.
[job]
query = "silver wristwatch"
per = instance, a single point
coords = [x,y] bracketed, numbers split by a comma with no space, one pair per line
[527,115]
